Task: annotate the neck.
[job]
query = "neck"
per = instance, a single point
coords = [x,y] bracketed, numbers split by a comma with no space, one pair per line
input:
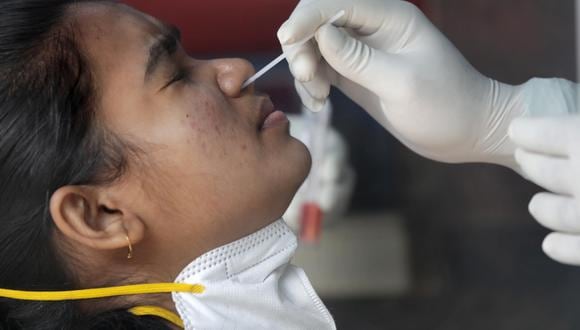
[116,270]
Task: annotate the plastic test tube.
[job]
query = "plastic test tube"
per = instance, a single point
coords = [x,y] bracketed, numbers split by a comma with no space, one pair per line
[312,215]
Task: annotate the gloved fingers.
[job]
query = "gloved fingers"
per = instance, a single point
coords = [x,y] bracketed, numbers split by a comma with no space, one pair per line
[303,60]
[564,248]
[542,134]
[549,172]
[310,101]
[310,15]
[556,212]
[303,23]
[314,93]
[387,20]
[367,17]
[306,18]
[354,59]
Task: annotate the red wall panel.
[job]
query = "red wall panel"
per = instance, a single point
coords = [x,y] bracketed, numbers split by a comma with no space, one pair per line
[218,26]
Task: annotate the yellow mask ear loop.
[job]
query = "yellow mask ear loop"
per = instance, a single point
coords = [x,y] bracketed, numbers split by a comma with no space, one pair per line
[125,290]
[159,312]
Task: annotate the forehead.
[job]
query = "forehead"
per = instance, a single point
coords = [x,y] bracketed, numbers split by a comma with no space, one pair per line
[114,35]
[116,40]
[102,24]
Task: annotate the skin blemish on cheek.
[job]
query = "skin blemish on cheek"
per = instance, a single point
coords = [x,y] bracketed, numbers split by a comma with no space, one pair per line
[198,125]
[193,124]
[217,129]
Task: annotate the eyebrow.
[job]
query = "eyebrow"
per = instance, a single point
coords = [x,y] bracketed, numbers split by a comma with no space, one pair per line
[163,47]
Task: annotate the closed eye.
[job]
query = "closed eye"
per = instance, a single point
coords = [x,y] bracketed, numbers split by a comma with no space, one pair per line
[179,75]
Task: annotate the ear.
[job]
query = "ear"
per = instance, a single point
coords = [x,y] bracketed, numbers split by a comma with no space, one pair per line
[86,216]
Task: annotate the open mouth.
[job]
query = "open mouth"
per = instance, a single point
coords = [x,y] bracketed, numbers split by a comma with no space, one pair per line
[269,117]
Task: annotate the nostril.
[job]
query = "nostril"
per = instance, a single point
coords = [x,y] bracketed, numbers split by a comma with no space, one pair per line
[228,84]
[231,74]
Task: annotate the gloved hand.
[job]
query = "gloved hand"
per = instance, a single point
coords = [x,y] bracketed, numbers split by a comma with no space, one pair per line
[549,155]
[392,61]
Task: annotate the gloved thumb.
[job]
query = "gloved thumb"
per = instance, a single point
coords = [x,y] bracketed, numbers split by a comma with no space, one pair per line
[562,248]
[352,58]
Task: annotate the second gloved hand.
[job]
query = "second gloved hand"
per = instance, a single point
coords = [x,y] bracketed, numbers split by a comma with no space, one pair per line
[390,59]
[549,155]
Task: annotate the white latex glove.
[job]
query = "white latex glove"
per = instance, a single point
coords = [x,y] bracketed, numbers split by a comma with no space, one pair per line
[549,155]
[391,60]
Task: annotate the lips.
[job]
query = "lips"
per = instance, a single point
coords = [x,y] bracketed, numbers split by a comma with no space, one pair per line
[270,117]
[266,108]
[274,119]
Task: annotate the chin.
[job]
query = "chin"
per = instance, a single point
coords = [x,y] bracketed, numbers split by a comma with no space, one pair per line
[303,163]
[289,172]
[298,169]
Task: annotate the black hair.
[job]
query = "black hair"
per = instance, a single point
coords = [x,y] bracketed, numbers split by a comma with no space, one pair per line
[49,138]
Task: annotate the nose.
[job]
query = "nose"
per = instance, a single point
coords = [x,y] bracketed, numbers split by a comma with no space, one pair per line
[231,75]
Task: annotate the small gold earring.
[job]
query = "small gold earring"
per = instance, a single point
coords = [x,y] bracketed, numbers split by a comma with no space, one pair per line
[130,254]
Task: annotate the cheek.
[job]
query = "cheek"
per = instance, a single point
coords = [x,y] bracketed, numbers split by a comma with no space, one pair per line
[205,113]
[203,119]
[214,127]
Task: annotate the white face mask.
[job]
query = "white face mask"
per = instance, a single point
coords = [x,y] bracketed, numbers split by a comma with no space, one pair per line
[250,284]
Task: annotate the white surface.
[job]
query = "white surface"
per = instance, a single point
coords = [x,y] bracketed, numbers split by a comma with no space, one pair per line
[362,256]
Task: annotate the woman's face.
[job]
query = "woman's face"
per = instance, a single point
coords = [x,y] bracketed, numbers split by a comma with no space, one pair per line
[210,171]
